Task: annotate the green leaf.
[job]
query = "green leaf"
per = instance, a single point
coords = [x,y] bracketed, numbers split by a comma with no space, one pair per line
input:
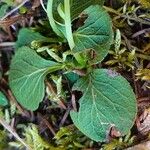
[76,7]
[9,2]
[72,77]
[96,33]
[27,74]
[3,99]
[3,10]
[107,101]
[61,13]
[26,36]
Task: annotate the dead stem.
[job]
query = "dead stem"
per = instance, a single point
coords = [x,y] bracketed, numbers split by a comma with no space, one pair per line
[12,20]
[7,44]
[64,117]
[147,30]
[13,10]
[47,124]
[9,128]
[73,102]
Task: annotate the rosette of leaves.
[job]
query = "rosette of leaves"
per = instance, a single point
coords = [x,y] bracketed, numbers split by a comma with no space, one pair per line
[108,99]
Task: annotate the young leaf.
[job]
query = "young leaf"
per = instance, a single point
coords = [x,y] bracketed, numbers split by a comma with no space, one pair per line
[95,34]
[3,99]
[27,74]
[107,101]
[26,36]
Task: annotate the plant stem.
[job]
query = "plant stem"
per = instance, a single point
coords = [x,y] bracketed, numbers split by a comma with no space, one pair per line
[42,4]
[68,24]
[51,18]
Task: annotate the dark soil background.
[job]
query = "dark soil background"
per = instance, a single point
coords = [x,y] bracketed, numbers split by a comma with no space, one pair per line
[134,25]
